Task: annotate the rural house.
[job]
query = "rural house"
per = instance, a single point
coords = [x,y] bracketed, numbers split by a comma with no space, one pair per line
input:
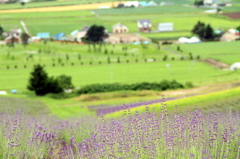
[144,25]
[120,28]
[12,38]
[165,27]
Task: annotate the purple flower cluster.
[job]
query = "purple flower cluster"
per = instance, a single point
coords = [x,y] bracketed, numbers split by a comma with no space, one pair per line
[150,135]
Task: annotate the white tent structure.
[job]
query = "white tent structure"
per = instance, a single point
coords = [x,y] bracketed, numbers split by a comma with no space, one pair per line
[235,66]
[189,41]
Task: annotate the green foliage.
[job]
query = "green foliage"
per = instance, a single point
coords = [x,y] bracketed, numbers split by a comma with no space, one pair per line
[65,81]
[205,32]
[163,85]
[41,83]
[24,38]
[96,34]
[198,2]
[238,28]
[1,32]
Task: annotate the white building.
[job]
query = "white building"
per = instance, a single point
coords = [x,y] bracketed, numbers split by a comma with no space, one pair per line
[120,28]
[131,3]
[165,27]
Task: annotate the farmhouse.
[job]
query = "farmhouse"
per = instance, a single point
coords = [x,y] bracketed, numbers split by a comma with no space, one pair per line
[13,38]
[131,4]
[144,25]
[120,28]
[165,27]
[79,35]
[230,35]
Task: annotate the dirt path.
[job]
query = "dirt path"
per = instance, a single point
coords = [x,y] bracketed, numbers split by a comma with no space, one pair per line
[215,63]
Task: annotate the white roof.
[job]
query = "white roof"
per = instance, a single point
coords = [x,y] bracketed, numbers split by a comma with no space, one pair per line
[191,40]
[235,66]
[130,3]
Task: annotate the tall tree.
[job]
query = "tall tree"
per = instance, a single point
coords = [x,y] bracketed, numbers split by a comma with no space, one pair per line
[96,34]
[208,33]
[1,32]
[38,80]
[24,38]
[41,83]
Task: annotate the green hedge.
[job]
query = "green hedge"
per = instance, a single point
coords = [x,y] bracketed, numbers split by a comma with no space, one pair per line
[163,85]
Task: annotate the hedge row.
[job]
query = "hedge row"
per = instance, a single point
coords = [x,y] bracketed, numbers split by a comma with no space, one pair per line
[97,88]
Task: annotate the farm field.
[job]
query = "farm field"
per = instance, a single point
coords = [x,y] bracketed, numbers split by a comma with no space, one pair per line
[199,121]
[88,68]
[228,52]
[70,3]
[54,6]
[68,21]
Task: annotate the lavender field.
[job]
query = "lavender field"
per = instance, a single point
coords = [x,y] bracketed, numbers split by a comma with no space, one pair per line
[150,135]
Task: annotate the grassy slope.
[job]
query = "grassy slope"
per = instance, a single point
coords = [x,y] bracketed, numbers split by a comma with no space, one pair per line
[140,71]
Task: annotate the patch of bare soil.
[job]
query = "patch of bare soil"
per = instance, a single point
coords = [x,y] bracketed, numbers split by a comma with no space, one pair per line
[125,38]
[233,15]
[215,63]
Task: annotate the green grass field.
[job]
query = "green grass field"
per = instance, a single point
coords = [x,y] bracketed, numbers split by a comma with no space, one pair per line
[35,4]
[228,52]
[84,73]
[67,21]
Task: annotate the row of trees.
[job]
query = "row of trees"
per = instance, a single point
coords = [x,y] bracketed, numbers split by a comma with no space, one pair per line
[42,84]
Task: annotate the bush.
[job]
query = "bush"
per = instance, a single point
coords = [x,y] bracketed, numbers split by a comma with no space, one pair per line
[189,85]
[163,85]
[15,66]
[165,58]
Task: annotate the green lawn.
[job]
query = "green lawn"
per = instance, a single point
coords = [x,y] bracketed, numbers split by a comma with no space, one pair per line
[86,73]
[228,52]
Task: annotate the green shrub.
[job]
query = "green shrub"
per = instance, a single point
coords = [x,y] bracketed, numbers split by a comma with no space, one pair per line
[163,85]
